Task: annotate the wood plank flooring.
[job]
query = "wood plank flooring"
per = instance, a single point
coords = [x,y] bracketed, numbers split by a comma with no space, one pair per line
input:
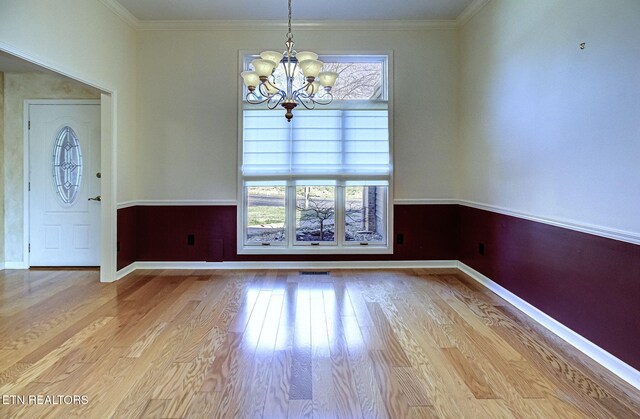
[357,343]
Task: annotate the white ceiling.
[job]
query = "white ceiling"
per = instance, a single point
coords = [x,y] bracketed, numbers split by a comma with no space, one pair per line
[302,9]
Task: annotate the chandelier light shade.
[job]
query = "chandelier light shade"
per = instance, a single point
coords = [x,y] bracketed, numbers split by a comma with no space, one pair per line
[288,91]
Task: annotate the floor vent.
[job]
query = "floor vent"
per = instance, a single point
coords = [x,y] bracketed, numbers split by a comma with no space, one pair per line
[325,273]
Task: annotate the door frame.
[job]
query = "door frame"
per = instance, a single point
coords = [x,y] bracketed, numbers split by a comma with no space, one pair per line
[106,221]
[108,155]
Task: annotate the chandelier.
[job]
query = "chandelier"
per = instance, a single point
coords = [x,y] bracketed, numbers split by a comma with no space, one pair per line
[289,89]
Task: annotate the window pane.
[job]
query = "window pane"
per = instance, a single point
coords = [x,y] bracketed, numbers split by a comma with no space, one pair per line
[266,214]
[365,213]
[315,213]
[357,81]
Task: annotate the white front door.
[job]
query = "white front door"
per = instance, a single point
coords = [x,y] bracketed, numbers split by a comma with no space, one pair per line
[64,188]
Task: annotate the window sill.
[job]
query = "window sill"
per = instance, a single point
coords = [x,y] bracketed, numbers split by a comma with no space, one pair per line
[316,250]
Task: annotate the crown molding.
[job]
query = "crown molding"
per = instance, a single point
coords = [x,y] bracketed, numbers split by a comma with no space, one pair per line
[470,12]
[301,25]
[120,11]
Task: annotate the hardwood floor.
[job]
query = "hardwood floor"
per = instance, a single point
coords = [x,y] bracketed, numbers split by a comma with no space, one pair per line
[379,343]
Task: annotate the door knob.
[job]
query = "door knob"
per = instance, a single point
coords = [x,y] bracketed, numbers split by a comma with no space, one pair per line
[97,198]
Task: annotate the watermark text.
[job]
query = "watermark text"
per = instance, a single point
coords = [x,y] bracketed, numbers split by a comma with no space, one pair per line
[44,399]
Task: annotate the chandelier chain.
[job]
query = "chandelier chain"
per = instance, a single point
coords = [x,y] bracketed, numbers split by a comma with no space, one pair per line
[289,34]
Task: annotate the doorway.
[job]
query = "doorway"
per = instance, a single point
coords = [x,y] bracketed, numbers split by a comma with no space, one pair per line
[64,183]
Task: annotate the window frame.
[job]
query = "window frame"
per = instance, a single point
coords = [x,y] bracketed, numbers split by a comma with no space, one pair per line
[341,246]
[355,243]
[245,200]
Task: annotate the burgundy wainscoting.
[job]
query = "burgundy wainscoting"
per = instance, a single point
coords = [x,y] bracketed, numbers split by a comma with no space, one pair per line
[161,234]
[588,283]
[127,237]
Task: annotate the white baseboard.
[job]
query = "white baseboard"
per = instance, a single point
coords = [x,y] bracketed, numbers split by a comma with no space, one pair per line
[593,351]
[391,264]
[15,265]
[125,271]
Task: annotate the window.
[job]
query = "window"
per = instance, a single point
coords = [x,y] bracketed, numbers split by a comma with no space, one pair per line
[320,183]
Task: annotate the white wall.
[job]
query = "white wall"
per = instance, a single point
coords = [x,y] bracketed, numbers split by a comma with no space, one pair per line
[188,106]
[86,40]
[548,129]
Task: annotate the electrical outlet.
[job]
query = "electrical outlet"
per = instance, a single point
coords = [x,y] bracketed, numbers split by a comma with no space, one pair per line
[481,248]
[400,238]
[191,240]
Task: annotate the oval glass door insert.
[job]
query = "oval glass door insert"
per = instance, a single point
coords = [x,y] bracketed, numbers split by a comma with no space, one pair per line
[67,165]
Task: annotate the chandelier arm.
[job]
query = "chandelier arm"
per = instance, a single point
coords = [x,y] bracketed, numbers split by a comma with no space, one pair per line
[304,99]
[308,104]
[272,83]
[271,104]
[325,99]
[255,100]
[302,92]
[263,90]
[302,96]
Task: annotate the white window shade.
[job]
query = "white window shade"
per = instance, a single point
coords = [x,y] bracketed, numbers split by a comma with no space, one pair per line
[318,142]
